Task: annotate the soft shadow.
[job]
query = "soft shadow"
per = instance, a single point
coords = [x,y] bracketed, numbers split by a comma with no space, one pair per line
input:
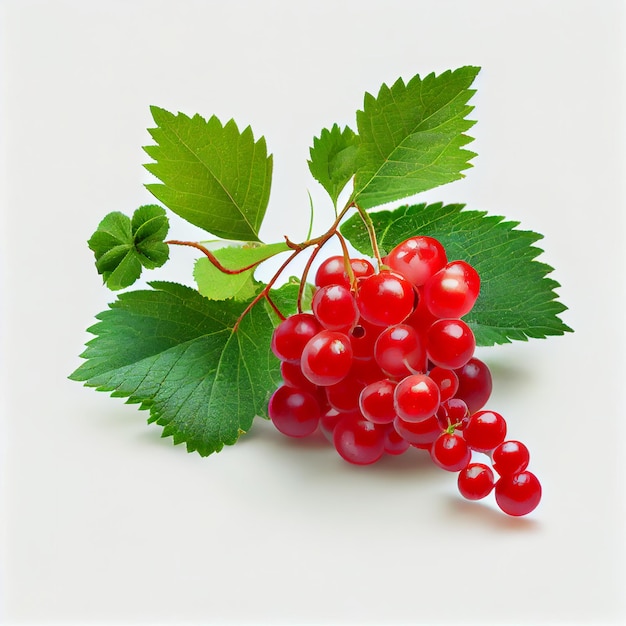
[264,431]
[405,464]
[484,515]
[507,371]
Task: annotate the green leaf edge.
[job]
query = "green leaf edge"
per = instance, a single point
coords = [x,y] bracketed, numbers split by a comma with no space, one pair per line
[485,335]
[82,372]
[369,99]
[161,117]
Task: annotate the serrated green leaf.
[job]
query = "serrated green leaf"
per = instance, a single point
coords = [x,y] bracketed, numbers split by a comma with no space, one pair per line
[412,137]
[517,300]
[174,352]
[212,175]
[123,246]
[217,285]
[333,159]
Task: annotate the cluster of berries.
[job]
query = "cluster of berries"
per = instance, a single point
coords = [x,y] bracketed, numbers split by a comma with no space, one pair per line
[384,361]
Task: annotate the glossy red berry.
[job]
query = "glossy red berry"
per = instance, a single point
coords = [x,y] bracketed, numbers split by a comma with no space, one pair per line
[366,371]
[453,412]
[328,421]
[363,337]
[385,298]
[450,343]
[395,444]
[475,384]
[292,334]
[332,271]
[446,380]
[344,395]
[292,376]
[419,434]
[510,457]
[417,259]
[416,398]
[518,494]
[359,441]
[335,308]
[485,430]
[421,319]
[452,291]
[399,351]
[450,452]
[294,413]
[475,481]
[327,358]
[376,401]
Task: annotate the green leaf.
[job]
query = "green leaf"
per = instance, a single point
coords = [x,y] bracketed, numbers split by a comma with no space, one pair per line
[218,285]
[124,246]
[333,159]
[516,300]
[412,137]
[174,352]
[212,175]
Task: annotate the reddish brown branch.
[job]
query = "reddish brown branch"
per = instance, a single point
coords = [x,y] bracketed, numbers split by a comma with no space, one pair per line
[264,293]
[214,260]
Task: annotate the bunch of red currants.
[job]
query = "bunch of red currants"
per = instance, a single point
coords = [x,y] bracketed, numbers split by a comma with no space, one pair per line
[384,362]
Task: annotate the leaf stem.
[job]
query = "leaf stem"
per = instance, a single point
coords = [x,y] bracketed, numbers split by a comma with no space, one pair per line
[214,260]
[346,260]
[371,231]
[273,305]
[311,215]
[305,273]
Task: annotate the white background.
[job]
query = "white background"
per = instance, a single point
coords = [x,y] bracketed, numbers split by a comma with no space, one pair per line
[103,521]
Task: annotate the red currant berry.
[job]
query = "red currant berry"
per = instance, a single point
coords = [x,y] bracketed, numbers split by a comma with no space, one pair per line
[327,358]
[361,268]
[292,334]
[485,430]
[510,457]
[395,443]
[359,441]
[419,434]
[344,395]
[366,371]
[293,377]
[376,402]
[446,380]
[363,337]
[453,412]
[417,259]
[450,452]
[335,307]
[421,319]
[328,421]
[332,271]
[475,481]
[518,494]
[450,343]
[385,298]
[452,291]
[295,413]
[416,398]
[399,351]
[475,384]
